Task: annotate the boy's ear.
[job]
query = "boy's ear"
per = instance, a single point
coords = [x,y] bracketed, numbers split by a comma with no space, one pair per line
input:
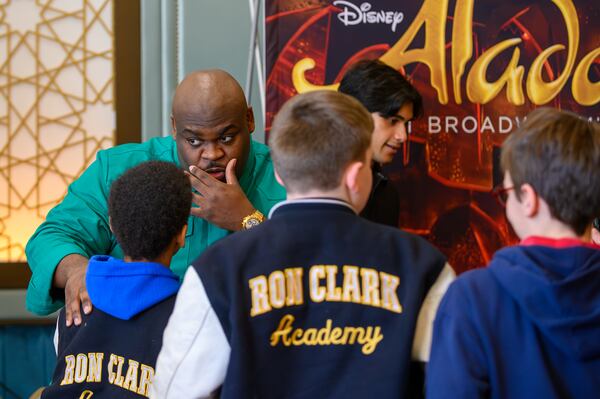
[530,201]
[351,176]
[595,236]
[180,238]
[278,178]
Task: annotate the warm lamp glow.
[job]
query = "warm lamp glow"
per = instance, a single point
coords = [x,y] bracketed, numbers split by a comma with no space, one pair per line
[56,107]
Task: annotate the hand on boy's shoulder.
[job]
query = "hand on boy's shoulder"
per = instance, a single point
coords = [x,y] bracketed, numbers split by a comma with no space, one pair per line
[70,275]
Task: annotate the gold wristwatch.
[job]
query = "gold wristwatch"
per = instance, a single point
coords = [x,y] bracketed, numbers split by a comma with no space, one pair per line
[253,219]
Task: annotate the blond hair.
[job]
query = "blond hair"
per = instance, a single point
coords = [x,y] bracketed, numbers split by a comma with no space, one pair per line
[315,136]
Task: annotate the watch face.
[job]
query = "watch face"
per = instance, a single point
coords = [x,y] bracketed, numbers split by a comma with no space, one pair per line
[252,222]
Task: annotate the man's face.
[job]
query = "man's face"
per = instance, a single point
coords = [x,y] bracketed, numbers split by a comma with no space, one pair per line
[211,145]
[390,133]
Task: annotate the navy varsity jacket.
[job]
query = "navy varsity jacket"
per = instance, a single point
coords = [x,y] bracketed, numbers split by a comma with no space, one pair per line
[112,353]
[314,303]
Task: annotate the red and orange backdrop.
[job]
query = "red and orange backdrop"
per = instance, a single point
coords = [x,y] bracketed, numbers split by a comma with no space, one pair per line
[481,67]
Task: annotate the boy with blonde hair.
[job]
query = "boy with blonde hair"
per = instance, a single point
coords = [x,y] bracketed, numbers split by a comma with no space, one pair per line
[316,302]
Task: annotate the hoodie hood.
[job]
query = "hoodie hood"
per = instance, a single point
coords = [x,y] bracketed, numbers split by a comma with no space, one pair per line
[557,285]
[124,289]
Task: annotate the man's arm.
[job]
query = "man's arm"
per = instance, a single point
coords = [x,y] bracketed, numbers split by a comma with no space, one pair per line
[194,357]
[74,230]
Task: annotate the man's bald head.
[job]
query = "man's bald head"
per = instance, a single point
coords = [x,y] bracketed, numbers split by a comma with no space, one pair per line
[211,122]
[209,95]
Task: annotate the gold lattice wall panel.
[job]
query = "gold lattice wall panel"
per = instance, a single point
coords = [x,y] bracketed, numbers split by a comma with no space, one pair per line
[56,106]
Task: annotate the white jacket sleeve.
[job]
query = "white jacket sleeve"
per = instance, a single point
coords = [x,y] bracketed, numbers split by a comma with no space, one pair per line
[423,332]
[56,337]
[195,353]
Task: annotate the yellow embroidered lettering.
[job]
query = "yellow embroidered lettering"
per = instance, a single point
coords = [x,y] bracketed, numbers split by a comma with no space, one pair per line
[368,337]
[119,379]
[351,285]
[295,294]
[389,296]
[317,293]
[277,289]
[260,299]
[69,370]
[285,327]
[132,376]
[147,374]
[370,286]
[95,369]
[334,293]
[81,367]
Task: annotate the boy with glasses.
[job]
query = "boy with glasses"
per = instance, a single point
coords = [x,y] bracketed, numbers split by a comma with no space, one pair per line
[528,326]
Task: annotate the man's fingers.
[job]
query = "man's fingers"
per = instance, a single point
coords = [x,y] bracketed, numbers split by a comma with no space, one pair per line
[197,212]
[68,316]
[85,301]
[196,183]
[74,306]
[230,176]
[202,176]
[198,200]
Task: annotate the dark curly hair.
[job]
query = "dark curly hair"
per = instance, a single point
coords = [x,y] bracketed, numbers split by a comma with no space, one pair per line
[148,206]
[380,88]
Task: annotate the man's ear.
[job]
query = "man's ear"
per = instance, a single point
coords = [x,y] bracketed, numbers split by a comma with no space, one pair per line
[350,176]
[173,126]
[250,120]
[530,201]
[180,238]
[279,179]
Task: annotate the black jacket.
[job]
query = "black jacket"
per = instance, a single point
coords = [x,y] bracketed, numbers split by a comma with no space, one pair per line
[264,362]
[383,205]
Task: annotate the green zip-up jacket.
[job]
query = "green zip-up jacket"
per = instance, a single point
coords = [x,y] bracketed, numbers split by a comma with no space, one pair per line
[79,224]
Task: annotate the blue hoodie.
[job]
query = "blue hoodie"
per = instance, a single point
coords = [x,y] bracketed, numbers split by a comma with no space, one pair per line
[528,326]
[124,289]
[113,352]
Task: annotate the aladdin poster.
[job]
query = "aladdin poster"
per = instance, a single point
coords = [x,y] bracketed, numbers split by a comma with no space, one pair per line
[481,67]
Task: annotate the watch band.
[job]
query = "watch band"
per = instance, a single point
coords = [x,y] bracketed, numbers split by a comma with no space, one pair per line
[253,219]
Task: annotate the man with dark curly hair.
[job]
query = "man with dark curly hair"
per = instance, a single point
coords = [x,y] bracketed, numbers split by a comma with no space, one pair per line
[114,351]
[231,174]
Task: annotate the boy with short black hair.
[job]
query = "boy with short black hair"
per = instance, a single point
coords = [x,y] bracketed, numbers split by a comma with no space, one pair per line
[528,326]
[316,302]
[113,352]
[393,102]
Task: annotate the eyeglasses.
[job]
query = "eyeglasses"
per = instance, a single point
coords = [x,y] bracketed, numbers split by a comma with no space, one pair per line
[501,194]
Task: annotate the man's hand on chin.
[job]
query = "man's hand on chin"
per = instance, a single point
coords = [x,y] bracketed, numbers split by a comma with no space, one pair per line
[222,204]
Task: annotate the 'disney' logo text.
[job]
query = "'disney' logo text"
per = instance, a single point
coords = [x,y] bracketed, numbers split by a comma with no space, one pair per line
[354,15]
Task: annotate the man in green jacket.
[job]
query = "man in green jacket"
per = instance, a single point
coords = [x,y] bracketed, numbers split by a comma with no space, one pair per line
[232,177]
